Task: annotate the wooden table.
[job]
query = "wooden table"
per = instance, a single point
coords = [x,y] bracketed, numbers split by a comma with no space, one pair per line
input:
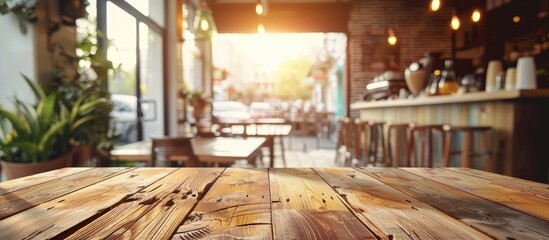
[207,149]
[268,128]
[283,203]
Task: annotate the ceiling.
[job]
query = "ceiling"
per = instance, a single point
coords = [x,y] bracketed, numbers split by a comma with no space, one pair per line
[238,16]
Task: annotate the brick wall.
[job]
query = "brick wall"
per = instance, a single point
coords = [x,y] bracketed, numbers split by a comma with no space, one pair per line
[418,30]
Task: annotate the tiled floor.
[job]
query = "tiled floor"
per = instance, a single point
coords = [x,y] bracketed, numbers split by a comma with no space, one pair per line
[305,152]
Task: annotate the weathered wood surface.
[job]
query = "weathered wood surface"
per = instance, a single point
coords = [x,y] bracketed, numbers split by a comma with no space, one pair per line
[532,204]
[305,207]
[387,207]
[218,203]
[493,219]
[237,206]
[20,183]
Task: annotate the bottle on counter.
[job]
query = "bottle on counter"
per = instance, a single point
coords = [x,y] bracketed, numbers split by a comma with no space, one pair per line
[448,83]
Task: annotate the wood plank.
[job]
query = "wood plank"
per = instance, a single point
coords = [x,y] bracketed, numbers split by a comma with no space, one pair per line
[20,183]
[237,206]
[31,196]
[305,207]
[531,187]
[162,221]
[528,203]
[493,219]
[178,190]
[396,214]
[52,218]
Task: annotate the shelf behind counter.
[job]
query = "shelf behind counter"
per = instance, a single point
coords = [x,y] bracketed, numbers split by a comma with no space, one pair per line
[458,98]
[520,119]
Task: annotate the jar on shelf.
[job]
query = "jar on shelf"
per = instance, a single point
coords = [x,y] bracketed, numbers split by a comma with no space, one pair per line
[448,83]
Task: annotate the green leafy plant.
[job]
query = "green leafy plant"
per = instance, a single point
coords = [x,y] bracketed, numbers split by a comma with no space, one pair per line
[46,130]
[34,131]
[23,9]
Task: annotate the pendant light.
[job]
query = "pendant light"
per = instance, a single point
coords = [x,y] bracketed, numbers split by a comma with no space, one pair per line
[435,5]
[260,28]
[455,23]
[475,16]
[204,25]
[391,39]
[259,8]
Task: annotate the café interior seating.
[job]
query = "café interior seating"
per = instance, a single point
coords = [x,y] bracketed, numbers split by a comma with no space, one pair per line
[467,138]
[171,150]
[393,151]
[426,141]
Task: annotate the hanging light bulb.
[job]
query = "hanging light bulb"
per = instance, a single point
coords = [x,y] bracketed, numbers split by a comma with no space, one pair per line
[455,22]
[204,25]
[392,39]
[260,28]
[435,5]
[475,16]
[259,8]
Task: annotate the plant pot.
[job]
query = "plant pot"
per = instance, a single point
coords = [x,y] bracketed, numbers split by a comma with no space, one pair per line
[81,155]
[17,170]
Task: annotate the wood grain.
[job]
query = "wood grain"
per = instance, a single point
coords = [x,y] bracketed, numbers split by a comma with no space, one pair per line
[305,207]
[140,213]
[533,188]
[396,214]
[528,203]
[51,218]
[493,219]
[22,199]
[236,207]
[20,183]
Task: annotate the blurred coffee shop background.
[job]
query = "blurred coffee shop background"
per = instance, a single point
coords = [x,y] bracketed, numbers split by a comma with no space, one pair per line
[467,63]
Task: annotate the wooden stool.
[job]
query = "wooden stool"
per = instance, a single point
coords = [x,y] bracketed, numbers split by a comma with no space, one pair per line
[467,147]
[377,143]
[343,139]
[397,129]
[360,143]
[426,138]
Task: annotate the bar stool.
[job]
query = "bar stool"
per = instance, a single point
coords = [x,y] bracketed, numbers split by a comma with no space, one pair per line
[426,138]
[343,145]
[467,147]
[396,129]
[361,143]
[377,143]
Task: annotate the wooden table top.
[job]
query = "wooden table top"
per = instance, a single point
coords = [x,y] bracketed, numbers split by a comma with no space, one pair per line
[283,203]
[206,149]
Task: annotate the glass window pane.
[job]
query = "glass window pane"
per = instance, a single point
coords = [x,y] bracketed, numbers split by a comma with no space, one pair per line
[151,69]
[154,9]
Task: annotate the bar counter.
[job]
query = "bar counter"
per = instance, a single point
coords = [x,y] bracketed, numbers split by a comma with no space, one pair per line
[520,119]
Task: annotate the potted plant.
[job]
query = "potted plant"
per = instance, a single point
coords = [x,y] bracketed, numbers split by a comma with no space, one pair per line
[29,136]
[197,100]
[41,137]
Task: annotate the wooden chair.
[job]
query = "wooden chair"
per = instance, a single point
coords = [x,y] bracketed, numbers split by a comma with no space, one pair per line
[177,149]
[467,146]
[377,143]
[396,129]
[361,142]
[426,138]
[344,141]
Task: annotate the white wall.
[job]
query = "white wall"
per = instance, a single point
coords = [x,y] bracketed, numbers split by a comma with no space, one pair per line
[16,58]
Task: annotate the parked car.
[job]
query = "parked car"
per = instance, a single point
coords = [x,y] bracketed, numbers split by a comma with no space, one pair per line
[124,116]
[230,111]
[261,110]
